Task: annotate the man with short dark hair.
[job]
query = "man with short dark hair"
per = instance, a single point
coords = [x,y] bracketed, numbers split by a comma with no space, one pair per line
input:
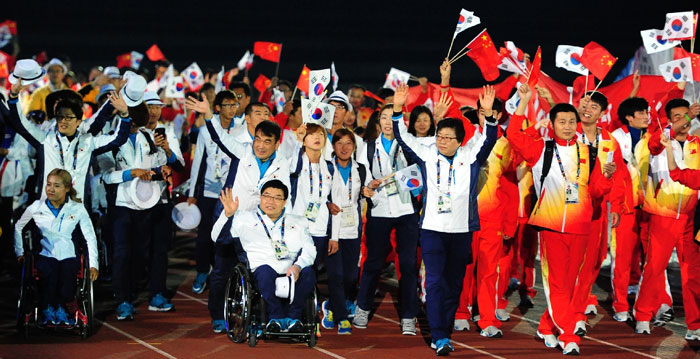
[243,92]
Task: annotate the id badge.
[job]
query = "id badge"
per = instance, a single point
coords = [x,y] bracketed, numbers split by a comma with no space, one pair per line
[347,216]
[391,188]
[281,251]
[444,204]
[571,193]
[312,211]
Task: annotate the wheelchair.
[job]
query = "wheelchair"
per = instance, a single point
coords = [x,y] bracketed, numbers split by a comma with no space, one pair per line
[28,302]
[246,316]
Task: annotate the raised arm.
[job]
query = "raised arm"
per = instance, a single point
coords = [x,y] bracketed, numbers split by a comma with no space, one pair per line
[410,145]
[15,118]
[96,122]
[527,143]
[491,124]
[109,142]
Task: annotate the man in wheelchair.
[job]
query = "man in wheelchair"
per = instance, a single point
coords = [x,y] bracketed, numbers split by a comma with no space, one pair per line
[276,244]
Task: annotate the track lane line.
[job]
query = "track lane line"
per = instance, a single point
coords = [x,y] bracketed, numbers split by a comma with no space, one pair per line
[137,340]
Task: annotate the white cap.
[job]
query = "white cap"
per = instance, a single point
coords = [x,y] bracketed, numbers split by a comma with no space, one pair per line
[339,96]
[151,98]
[186,216]
[284,287]
[56,62]
[28,71]
[134,89]
[145,194]
[112,72]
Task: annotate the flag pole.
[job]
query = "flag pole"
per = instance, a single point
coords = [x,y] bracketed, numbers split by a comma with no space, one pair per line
[293,93]
[458,57]
[467,45]
[451,43]
[601,81]
[277,68]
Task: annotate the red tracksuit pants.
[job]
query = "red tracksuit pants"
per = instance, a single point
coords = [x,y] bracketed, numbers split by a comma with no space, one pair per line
[625,243]
[518,262]
[665,233]
[561,256]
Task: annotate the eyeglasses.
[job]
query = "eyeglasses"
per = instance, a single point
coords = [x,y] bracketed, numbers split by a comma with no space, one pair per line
[339,107]
[239,96]
[272,198]
[230,105]
[60,118]
[445,138]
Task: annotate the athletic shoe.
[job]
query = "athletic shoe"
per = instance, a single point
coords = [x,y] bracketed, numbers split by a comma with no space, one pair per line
[461,324]
[408,326]
[160,304]
[692,334]
[442,347]
[621,316]
[642,328]
[344,327]
[591,310]
[502,315]
[218,325]
[295,326]
[633,289]
[513,284]
[49,316]
[361,318]
[550,341]
[570,349]
[664,315]
[526,301]
[125,311]
[273,326]
[200,283]
[62,318]
[580,328]
[491,332]
[327,321]
[350,308]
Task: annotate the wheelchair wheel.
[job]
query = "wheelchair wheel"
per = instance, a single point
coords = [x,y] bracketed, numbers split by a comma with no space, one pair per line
[252,338]
[25,302]
[311,318]
[237,308]
[86,302]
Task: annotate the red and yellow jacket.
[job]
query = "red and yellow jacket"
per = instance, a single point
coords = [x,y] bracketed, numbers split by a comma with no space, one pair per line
[495,175]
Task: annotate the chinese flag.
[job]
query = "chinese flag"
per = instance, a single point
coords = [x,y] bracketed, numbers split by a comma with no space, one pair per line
[303,82]
[154,54]
[535,69]
[484,53]
[124,60]
[269,51]
[262,83]
[41,58]
[679,53]
[4,71]
[11,25]
[597,60]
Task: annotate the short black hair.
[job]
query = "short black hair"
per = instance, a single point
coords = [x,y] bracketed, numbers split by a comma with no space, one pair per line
[472,115]
[675,103]
[269,128]
[383,93]
[296,105]
[454,124]
[417,111]
[629,106]
[249,108]
[497,105]
[71,105]
[275,183]
[224,95]
[599,98]
[206,87]
[139,114]
[240,85]
[563,107]
[357,86]
[285,82]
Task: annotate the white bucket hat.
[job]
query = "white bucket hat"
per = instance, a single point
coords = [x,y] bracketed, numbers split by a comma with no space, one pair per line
[284,287]
[56,62]
[112,72]
[28,71]
[339,96]
[145,194]
[186,216]
[151,98]
[133,91]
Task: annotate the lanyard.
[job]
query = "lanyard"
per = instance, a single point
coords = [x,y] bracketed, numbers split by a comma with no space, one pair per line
[268,232]
[311,180]
[379,161]
[583,137]
[75,152]
[349,178]
[578,163]
[449,176]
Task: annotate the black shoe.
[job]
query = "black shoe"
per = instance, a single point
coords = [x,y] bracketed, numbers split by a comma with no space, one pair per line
[295,326]
[273,326]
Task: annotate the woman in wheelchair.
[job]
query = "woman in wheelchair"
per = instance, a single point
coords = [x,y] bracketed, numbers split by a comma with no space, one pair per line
[57,264]
[276,244]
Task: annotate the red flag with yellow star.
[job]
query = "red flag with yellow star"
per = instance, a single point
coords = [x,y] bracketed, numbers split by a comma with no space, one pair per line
[485,55]
[679,53]
[597,59]
[262,83]
[124,60]
[535,69]
[269,51]
[303,82]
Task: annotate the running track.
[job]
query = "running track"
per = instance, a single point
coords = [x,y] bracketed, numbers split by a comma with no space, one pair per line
[186,333]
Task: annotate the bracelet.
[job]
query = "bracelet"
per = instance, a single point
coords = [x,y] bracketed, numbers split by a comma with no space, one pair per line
[124,114]
[14,95]
[444,86]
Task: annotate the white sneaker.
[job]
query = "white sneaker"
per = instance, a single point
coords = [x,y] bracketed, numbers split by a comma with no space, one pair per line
[580,328]
[692,334]
[408,326]
[664,315]
[570,349]
[476,318]
[642,328]
[361,318]
[621,316]
[461,324]
[491,332]
[633,289]
[550,341]
[591,310]
[502,315]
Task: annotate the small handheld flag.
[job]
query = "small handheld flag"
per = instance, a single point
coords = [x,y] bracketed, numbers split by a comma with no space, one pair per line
[677,70]
[569,58]
[175,87]
[318,82]
[654,42]
[193,76]
[395,78]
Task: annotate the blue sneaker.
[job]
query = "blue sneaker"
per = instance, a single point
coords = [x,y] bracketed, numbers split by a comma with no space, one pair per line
[160,304]
[442,347]
[219,326]
[62,318]
[273,326]
[327,321]
[295,326]
[344,327]
[200,283]
[125,311]
[350,308]
[48,315]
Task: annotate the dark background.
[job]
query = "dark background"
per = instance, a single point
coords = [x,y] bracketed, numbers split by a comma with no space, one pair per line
[363,38]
